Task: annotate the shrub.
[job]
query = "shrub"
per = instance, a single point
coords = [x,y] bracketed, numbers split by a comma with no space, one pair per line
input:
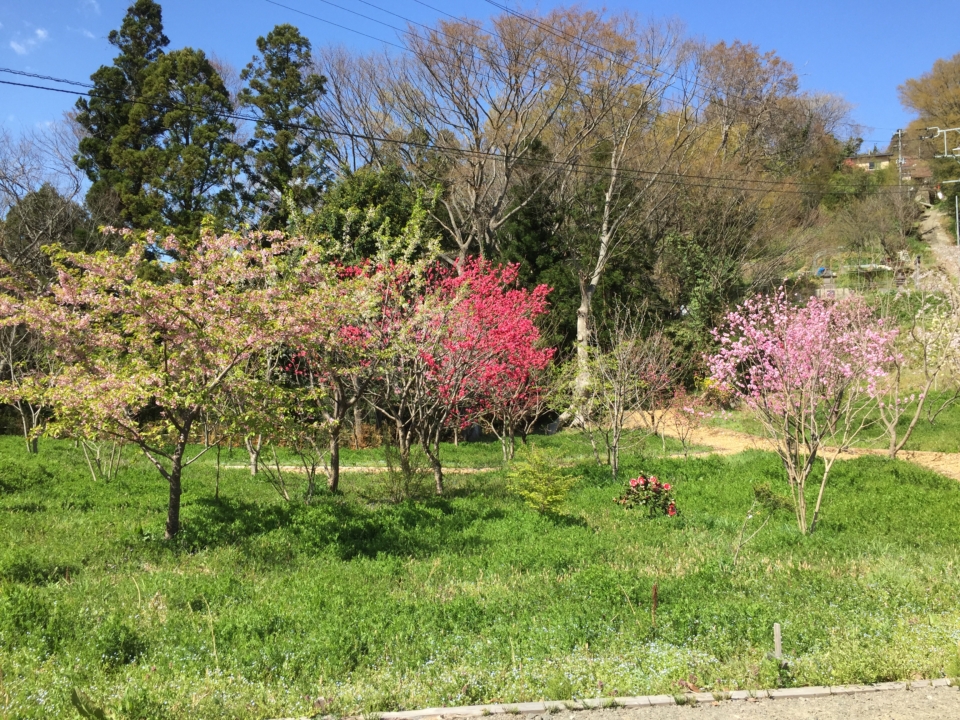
[649,493]
[542,486]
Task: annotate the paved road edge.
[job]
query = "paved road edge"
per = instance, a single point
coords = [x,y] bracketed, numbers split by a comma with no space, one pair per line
[690,698]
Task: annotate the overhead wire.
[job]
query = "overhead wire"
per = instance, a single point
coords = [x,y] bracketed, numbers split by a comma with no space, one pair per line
[721,183]
[597,49]
[402,48]
[655,83]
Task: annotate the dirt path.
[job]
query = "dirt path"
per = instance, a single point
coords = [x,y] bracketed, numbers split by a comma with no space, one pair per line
[943,246]
[366,469]
[731,442]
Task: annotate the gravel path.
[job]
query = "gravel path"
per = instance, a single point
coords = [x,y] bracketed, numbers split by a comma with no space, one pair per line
[943,246]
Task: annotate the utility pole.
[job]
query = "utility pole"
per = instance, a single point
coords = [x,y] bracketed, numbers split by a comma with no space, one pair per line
[900,157]
[944,133]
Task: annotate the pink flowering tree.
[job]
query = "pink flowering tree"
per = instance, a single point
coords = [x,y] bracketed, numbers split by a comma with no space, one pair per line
[515,395]
[811,375]
[452,338]
[143,358]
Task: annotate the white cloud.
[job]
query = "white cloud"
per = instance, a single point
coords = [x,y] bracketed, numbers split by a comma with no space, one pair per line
[25,46]
[83,31]
[91,5]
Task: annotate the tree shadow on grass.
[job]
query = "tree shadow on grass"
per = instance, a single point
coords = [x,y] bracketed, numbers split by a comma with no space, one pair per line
[564,520]
[274,534]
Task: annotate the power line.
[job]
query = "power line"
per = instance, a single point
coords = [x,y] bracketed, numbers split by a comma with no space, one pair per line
[373,37]
[45,77]
[582,167]
[331,22]
[598,50]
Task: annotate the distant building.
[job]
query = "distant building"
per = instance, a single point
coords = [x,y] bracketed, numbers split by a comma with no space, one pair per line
[913,168]
[872,161]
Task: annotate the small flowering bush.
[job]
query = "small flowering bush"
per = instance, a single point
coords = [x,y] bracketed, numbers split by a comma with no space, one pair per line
[649,493]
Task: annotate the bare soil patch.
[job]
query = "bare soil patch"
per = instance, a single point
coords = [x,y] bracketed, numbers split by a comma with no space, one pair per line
[731,442]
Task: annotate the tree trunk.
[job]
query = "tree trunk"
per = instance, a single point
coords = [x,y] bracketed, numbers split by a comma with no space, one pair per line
[173,504]
[587,291]
[333,481]
[254,450]
[173,478]
[403,450]
[28,421]
[434,456]
[357,426]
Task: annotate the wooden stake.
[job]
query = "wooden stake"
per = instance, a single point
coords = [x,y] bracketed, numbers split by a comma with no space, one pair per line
[653,606]
[777,646]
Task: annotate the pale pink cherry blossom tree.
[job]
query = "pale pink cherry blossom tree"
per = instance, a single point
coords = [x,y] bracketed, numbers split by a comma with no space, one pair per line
[143,358]
[811,376]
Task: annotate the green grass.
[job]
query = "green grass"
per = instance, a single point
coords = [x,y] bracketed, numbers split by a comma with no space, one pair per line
[260,606]
[943,435]
[563,448]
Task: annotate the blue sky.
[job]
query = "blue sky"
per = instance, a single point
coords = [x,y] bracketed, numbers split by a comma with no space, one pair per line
[861,51]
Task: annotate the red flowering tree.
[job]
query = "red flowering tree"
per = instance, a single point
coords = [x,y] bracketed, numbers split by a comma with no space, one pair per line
[454,338]
[143,358]
[809,374]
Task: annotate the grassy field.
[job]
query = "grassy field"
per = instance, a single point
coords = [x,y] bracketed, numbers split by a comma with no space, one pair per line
[259,607]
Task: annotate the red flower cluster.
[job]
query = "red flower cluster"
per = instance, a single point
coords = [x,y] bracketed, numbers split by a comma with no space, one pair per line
[649,493]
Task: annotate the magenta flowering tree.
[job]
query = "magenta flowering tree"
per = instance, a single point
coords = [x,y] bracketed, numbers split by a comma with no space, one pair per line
[143,358]
[453,338]
[810,374]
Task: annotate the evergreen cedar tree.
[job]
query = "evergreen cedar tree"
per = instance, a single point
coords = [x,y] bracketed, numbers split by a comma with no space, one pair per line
[285,158]
[110,152]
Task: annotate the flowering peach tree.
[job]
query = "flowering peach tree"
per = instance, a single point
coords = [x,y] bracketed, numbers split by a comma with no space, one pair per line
[810,374]
[452,339]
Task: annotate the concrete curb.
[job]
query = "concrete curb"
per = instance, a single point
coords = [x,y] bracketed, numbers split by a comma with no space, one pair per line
[690,698]
[536,708]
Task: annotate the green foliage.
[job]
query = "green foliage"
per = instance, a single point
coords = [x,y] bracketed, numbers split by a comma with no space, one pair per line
[285,156]
[190,162]
[111,151]
[118,643]
[538,481]
[359,202]
[381,606]
[86,707]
